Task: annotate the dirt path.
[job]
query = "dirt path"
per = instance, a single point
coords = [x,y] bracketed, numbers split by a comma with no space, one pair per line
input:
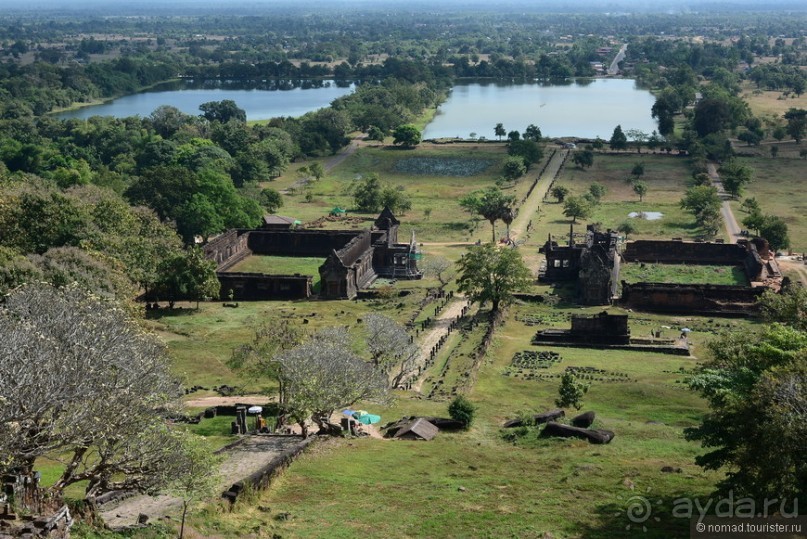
[209,402]
[439,329]
[732,228]
[796,267]
[239,462]
[527,210]
[335,160]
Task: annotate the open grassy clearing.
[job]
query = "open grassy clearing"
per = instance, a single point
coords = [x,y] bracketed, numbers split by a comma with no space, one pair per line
[779,187]
[770,103]
[683,274]
[436,214]
[665,176]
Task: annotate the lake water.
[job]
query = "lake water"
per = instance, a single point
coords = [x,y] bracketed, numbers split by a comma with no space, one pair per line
[582,108]
[260,101]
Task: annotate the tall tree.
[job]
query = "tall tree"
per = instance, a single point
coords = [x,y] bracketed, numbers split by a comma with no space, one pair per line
[490,204]
[618,139]
[406,135]
[499,131]
[575,207]
[491,274]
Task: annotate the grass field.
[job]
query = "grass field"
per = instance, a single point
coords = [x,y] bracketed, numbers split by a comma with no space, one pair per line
[436,214]
[282,265]
[483,484]
[665,176]
[779,188]
[683,274]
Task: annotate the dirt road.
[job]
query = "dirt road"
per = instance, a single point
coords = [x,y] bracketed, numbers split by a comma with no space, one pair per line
[434,334]
[732,228]
[527,210]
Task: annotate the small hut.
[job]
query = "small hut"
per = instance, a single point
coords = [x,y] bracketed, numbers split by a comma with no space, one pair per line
[279,222]
[418,429]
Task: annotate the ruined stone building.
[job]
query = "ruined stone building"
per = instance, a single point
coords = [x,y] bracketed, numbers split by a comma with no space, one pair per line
[593,264]
[353,259]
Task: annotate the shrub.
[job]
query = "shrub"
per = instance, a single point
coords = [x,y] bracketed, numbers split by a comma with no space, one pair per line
[461,409]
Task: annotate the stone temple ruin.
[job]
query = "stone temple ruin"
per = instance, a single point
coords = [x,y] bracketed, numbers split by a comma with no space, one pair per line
[353,260]
[594,266]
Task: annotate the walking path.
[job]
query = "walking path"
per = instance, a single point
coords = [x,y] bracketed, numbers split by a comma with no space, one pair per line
[527,210]
[614,67]
[440,328]
[732,228]
[240,462]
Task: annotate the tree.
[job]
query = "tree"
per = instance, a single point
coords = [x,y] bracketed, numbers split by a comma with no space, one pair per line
[490,204]
[560,192]
[570,392]
[638,170]
[735,177]
[597,191]
[392,350]
[396,199]
[316,170]
[638,137]
[796,123]
[750,205]
[789,306]
[514,168]
[754,220]
[85,385]
[406,135]
[499,131]
[188,275]
[528,150]
[271,199]
[367,194]
[583,159]
[618,139]
[195,474]
[533,132]
[437,266]
[754,384]
[375,133]
[222,111]
[491,274]
[463,410]
[575,207]
[640,188]
[774,229]
[323,374]
[627,228]
[513,136]
[701,199]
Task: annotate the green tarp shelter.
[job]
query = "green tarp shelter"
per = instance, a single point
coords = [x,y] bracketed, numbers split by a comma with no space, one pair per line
[366,419]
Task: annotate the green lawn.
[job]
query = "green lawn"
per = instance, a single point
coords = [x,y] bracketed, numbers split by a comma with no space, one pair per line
[665,177]
[282,265]
[779,187]
[683,274]
[479,484]
[436,214]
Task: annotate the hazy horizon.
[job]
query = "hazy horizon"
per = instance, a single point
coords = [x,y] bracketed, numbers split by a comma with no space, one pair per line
[235,7]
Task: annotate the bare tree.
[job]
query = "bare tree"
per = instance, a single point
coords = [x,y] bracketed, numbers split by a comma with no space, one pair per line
[391,347]
[324,374]
[81,382]
[439,267]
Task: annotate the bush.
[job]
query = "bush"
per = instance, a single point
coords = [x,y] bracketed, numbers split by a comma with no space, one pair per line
[461,409]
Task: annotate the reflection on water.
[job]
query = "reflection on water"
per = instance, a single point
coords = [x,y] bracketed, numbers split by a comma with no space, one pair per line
[584,108]
[646,215]
[260,99]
